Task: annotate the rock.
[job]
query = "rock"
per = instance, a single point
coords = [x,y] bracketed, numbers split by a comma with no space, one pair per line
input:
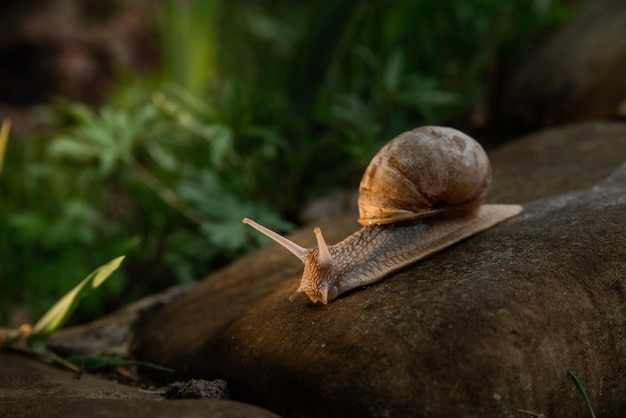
[197,389]
[489,327]
[111,334]
[577,75]
[29,388]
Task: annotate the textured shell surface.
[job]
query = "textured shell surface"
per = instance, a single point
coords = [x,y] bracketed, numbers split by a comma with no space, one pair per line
[423,172]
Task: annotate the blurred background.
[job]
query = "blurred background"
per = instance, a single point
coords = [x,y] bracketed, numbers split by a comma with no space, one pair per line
[152,127]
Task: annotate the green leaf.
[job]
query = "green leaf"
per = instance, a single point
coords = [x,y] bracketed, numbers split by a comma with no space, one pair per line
[222,144]
[93,363]
[582,392]
[65,146]
[392,73]
[162,157]
[60,311]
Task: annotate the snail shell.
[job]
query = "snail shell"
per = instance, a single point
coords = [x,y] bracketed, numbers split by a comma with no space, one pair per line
[422,192]
[421,173]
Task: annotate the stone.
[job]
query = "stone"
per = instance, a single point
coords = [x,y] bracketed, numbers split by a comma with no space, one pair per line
[489,327]
[197,389]
[112,333]
[129,408]
[30,388]
[576,75]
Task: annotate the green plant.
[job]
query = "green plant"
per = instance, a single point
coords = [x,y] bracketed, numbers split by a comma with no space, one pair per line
[176,149]
[582,392]
[29,339]
[58,314]
[393,66]
[190,42]
[157,175]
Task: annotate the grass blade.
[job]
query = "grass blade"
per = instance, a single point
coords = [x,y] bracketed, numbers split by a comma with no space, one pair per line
[582,392]
[93,363]
[58,314]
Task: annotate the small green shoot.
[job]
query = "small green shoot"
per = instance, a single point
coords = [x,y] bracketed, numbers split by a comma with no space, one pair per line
[60,312]
[27,338]
[582,392]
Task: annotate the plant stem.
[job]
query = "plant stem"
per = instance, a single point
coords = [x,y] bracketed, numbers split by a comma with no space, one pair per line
[166,194]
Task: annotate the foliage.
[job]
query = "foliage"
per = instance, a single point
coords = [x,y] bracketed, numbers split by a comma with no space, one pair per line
[397,65]
[29,339]
[190,42]
[143,178]
[256,108]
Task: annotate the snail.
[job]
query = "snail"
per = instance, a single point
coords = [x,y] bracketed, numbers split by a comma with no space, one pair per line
[422,192]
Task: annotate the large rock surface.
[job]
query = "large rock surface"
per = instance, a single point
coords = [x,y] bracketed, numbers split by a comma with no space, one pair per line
[30,388]
[489,327]
[576,75]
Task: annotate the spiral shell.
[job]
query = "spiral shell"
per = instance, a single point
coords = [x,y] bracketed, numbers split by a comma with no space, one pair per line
[424,172]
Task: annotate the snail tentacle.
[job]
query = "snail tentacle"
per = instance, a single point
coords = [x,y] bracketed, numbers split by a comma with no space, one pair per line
[295,249]
[324,256]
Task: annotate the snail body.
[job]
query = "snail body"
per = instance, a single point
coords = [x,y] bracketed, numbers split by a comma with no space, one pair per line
[422,192]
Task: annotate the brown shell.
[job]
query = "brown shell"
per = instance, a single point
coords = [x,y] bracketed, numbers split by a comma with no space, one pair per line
[423,172]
